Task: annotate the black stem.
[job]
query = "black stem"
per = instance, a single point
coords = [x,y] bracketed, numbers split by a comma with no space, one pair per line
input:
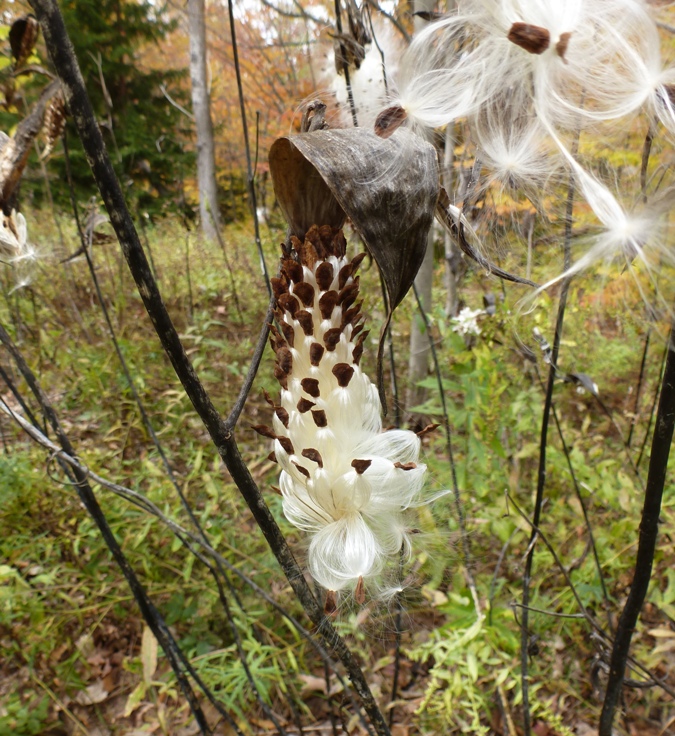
[343,63]
[541,474]
[466,548]
[239,404]
[652,410]
[176,658]
[250,180]
[649,527]
[86,245]
[638,390]
[587,519]
[63,58]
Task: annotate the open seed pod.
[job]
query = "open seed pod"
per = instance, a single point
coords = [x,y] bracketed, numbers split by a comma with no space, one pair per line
[387,187]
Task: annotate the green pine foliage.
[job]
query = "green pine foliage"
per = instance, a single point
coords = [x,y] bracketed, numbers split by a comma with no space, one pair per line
[148,138]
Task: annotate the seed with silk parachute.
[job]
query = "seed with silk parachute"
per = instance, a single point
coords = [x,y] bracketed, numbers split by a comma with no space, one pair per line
[343,480]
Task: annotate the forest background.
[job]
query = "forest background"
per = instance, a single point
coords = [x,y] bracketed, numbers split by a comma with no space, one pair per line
[447,655]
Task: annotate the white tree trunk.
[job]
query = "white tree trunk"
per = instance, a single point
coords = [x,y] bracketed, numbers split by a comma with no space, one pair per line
[201,107]
[418,364]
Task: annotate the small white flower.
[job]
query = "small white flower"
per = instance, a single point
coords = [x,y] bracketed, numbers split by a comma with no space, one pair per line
[466,322]
[344,481]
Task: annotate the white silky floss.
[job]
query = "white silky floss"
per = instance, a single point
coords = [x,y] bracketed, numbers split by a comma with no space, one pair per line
[344,481]
[579,61]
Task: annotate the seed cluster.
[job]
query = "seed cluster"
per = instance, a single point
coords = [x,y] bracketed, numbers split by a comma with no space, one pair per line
[316,296]
[343,479]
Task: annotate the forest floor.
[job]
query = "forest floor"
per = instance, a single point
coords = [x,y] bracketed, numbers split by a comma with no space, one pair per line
[77,657]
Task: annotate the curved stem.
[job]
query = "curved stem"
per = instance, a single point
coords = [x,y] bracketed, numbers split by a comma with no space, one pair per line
[649,527]
[63,57]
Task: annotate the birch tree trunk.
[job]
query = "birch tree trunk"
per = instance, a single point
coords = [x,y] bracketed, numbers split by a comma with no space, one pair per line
[201,106]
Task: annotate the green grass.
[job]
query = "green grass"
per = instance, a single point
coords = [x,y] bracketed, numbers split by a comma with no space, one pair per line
[68,621]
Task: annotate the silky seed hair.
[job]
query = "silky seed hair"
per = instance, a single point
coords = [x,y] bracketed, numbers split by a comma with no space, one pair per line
[344,481]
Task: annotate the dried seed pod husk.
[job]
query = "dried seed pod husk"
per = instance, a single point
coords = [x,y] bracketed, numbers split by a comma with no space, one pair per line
[23,35]
[387,187]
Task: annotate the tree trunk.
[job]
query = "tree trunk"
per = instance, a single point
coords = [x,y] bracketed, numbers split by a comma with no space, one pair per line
[418,364]
[201,106]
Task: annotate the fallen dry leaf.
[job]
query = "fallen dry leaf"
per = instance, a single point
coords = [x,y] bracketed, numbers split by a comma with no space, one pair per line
[92,694]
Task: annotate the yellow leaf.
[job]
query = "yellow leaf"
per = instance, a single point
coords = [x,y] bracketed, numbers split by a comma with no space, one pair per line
[148,655]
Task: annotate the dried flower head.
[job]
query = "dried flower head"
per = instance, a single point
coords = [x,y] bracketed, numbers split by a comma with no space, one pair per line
[343,480]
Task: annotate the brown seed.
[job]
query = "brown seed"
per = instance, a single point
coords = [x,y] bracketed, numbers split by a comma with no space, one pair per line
[357,260]
[349,269]
[357,352]
[561,46]
[316,352]
[279,286]
[272,457]
[331,338]
[319,417]
[343,372]
[311,386]
[351,315]
[330,606]
[277,490]
[286,444]
[314,455]
[282,414]
[326,233]
[345,272]
[268,398]
[349,293]
[389,120]
[289,303]
[308,254]
[360,592]
[405,466]
[534,39]
[292,270]
[339,244]
[264,431]
[324,275]
[356,330]
[304,405]
[302,470]
[306,321]
[285,360]
[305,292]
[360,466]
[288,330]
[327,303]
[313,235]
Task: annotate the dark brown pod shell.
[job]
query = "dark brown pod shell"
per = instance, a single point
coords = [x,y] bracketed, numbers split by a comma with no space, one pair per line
[388,191]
